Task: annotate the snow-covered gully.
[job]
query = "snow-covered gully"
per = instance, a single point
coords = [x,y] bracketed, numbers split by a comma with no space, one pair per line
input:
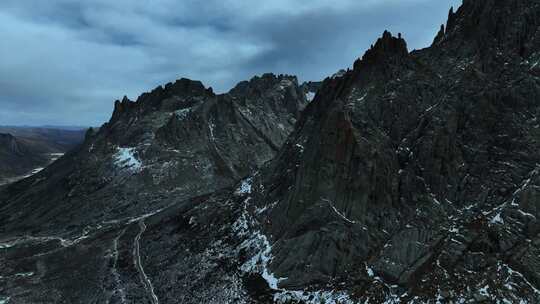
[259,247]
[138,264]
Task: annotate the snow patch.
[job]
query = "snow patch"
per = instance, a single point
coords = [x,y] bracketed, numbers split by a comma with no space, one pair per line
[245,186]
[453,230]
[430,108]
[526,214]
[339,213]
[484,291]
[192,221]
[125,158]
[518,274]
[242,224]
[310,96]
[37,170]
[257,243]
[259,262]
[182,113]
[260,249]
[211,127]
[55,156]
[362,98]
[314,297]
[497,219]
[369,271]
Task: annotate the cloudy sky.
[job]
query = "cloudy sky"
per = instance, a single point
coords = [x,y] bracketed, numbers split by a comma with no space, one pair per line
[64,62]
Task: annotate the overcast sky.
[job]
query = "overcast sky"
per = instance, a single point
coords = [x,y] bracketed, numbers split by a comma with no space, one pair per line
[64,62]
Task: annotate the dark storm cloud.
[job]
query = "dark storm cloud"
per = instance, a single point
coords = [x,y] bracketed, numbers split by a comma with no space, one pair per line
[65,61]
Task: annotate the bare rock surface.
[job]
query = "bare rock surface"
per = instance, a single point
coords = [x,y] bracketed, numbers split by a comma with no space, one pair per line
[412,178]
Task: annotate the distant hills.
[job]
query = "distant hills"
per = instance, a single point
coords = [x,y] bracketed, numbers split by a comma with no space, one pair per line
[24,150]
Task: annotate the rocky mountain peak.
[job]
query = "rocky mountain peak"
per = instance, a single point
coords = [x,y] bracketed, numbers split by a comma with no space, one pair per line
[181,88]
[162,96]
[121,107]
[496,25]
[276,92]
[440,35]
[187,87]
[179,137]
[259,84]
[387,49]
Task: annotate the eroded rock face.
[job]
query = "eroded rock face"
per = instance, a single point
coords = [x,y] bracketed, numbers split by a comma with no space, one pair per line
[87,213]
[176,142]
[412,178]
[400,173]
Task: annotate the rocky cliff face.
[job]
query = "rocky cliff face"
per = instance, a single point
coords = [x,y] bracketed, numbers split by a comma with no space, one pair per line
[411,178]
[405,178]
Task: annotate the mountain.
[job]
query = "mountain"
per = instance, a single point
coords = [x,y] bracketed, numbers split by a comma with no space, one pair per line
[24,150]
[177,142]
[18,157]
[411,178]
[48,139]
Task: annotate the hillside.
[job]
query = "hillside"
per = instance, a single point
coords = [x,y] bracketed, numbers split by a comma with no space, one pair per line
[24,150]
[48,139]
